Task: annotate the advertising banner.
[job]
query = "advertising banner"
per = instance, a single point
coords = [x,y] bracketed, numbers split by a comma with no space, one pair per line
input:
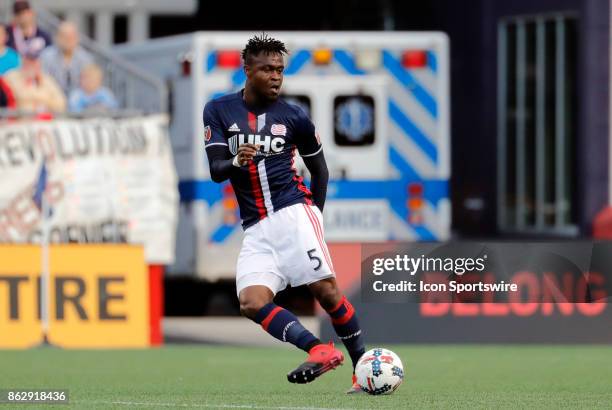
[107,180]
[477,292]
[98,296]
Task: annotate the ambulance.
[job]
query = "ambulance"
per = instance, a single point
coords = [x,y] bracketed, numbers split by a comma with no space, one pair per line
[380,102]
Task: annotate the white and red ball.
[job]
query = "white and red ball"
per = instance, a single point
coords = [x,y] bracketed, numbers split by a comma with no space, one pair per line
[379,371]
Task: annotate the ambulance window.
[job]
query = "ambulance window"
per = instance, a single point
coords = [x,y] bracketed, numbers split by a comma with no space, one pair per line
[301,101]
[354,120]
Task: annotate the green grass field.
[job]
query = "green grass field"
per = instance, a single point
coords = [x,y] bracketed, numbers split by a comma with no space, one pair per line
[244,378]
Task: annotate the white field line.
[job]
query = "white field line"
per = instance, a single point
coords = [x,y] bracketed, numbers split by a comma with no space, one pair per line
[202,405]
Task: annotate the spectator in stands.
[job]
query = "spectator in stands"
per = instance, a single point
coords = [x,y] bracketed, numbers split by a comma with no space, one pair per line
[9,58]
[33,89]
[6,95]
[92,96]
[24,34]
[65,60]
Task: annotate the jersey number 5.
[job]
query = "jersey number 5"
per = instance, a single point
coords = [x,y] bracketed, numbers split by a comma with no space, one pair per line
[314,258]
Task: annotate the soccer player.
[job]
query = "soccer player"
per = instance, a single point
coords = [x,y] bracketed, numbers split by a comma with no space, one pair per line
[251,138]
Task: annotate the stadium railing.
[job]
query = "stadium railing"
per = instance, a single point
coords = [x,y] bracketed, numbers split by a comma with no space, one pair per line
[133,87]
[16,114]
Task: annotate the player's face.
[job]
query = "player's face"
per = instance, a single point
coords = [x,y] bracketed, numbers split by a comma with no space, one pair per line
[265,73]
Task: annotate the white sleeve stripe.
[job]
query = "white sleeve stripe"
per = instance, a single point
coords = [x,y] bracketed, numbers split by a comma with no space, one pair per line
[313,154]
[216,143]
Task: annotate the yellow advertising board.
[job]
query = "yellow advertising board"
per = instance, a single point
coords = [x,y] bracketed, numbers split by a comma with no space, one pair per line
[98,296]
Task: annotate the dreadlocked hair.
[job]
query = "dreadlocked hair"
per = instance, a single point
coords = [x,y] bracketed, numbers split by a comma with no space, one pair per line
[263,43]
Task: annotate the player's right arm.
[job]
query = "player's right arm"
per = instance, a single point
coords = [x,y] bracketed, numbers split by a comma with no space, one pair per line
[220,160]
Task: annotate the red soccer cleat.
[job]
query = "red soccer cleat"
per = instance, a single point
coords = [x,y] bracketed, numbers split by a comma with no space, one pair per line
[355,388]
[321,358]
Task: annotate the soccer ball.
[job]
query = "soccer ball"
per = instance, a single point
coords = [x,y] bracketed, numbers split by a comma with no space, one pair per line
[379,371]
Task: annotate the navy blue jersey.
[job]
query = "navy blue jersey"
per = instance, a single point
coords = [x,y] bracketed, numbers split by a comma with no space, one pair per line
[270,181]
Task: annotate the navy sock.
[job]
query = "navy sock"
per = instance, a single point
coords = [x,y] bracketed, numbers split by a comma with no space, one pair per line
[284,326]
[346,325]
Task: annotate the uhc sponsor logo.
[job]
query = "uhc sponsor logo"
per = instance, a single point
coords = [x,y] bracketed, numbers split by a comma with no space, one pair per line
[269,145]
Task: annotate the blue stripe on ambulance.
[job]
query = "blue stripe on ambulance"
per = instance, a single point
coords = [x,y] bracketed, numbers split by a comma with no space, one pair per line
[222,232]
[297,62]
[211,61]
[433,190]
[238,77]
[346,61]
[432,61]
[412,131]
[402,165]
[394,66]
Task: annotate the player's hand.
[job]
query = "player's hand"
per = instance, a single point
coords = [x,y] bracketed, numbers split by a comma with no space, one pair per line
[246,152]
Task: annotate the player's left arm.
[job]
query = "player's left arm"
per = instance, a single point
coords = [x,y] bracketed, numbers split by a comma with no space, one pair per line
[319,176]
[311,151]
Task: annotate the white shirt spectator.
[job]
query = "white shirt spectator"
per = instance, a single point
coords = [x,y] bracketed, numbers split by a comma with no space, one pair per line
[66,58]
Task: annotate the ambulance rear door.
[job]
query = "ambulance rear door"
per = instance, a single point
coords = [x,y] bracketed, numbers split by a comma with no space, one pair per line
[350,115]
